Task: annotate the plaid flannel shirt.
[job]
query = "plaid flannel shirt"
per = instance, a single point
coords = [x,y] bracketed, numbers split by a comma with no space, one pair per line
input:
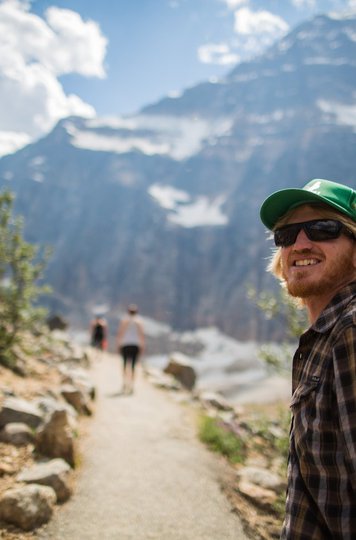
[321,496]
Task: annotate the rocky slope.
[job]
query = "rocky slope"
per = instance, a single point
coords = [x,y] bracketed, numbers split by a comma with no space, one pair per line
[255,484]
[36,451]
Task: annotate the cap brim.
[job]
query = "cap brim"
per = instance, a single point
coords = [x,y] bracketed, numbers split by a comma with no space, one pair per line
[278,204]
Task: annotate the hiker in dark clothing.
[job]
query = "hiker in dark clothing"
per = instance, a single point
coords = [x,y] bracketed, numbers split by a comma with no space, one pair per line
[98,333]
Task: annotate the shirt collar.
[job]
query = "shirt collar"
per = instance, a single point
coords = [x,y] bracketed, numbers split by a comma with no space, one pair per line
[333,310]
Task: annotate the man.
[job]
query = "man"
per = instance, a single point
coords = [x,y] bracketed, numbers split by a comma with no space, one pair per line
[315,231]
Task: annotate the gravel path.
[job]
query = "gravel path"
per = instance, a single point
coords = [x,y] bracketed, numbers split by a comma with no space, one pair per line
[144,475]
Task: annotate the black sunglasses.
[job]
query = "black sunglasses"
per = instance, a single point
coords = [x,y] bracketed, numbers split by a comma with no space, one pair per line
[317,230]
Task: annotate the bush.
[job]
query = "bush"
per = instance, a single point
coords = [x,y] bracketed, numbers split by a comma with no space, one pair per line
[279,359]
[21,267]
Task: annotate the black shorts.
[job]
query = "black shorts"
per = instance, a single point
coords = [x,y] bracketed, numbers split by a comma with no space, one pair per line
[130,354]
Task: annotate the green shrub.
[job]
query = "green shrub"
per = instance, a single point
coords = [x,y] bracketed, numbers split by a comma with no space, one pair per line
[21,268]
[216,435]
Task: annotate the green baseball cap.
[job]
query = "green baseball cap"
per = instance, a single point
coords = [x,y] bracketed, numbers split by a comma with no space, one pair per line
[340,197]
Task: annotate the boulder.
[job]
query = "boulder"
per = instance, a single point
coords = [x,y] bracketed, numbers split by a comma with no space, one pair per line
[17,433]
[20,410]
[27,507]
[53,473]
[76,398]
[55,437]
[259,496]
[180,366]
[48,405]
[79,378]
[262,477]
[260,486]
[57,322]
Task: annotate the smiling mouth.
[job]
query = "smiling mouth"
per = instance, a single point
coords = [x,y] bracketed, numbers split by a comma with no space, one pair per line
[306,262]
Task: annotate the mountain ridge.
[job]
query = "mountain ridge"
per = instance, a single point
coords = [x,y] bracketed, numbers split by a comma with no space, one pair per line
[163,209]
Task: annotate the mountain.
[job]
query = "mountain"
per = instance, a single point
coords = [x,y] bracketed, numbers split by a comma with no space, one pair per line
[162,208]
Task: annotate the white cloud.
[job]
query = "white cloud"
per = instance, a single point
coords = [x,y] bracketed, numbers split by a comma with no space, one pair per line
[10,141]
[34,53]
[351,4]
[304,3]
[254,32]
[233,4]
[79,46]
[217,53]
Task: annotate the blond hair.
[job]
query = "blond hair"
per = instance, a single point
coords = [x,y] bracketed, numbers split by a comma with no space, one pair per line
[326,212]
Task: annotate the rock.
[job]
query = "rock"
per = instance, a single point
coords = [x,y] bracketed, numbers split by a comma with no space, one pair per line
[20,368]
[76,398]
[49,404]
[56,322]
[78,356]
[182,369]
[55,438]
[79,378]
[17,433]
[163,380]
[27,507]
[20,410]
[212,399]
[262,477]
[6,469]
[276,431]
[259,496]
[52,473]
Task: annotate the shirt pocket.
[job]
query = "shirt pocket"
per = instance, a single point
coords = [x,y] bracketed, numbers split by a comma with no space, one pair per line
[303,406]
[303,393]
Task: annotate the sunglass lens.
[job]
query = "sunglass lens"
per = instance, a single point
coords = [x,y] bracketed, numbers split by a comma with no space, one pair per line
[286,236]
[323,230]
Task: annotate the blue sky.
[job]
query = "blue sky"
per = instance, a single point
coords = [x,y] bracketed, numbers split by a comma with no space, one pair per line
[112,57]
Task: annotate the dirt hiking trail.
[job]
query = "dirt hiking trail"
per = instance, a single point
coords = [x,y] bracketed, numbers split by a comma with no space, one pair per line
[143,473]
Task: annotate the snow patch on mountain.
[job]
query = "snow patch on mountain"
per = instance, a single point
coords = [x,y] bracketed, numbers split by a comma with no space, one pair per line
[186,211]
[338,113]
[200,213]
[176,137]
[167,196]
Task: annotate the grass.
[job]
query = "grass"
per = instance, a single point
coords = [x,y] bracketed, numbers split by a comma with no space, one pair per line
[213,433]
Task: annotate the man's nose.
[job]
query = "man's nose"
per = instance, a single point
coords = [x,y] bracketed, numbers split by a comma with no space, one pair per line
[302,241]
